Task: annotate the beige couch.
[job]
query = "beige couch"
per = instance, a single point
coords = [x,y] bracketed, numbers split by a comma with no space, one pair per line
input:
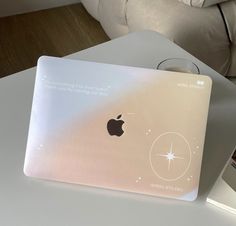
[208,33]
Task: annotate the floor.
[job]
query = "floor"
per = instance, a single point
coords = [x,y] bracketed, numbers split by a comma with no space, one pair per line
[56,32]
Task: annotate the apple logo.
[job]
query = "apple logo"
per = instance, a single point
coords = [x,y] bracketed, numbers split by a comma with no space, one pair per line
[114,126]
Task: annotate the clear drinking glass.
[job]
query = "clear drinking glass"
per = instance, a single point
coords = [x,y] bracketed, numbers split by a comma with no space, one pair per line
[179,65]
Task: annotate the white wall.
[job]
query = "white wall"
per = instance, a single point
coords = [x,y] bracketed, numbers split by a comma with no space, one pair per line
[12,7]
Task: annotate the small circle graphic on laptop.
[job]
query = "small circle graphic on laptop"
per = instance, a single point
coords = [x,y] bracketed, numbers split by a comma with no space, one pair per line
[170,156]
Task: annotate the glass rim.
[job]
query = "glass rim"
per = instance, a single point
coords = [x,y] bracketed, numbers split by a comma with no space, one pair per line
[176,58]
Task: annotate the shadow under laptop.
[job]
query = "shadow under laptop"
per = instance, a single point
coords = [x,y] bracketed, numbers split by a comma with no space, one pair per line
[103,194]
[221,127]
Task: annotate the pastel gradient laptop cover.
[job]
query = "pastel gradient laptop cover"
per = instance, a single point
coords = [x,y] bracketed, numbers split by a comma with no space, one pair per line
[124,128]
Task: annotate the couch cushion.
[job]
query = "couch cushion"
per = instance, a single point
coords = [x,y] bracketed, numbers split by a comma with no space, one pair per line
[201,3]
[229,14]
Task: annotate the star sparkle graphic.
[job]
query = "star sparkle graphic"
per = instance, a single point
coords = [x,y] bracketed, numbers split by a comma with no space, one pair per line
[170,156]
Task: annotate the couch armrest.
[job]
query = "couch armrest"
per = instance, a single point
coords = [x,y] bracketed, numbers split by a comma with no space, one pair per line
[92,7]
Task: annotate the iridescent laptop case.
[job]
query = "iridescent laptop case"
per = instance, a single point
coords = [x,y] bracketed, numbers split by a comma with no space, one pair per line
[117,127]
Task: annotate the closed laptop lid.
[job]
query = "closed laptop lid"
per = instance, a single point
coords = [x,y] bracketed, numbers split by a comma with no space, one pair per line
[118,127]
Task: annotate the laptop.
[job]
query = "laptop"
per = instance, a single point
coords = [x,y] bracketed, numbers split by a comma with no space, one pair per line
[117,127]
